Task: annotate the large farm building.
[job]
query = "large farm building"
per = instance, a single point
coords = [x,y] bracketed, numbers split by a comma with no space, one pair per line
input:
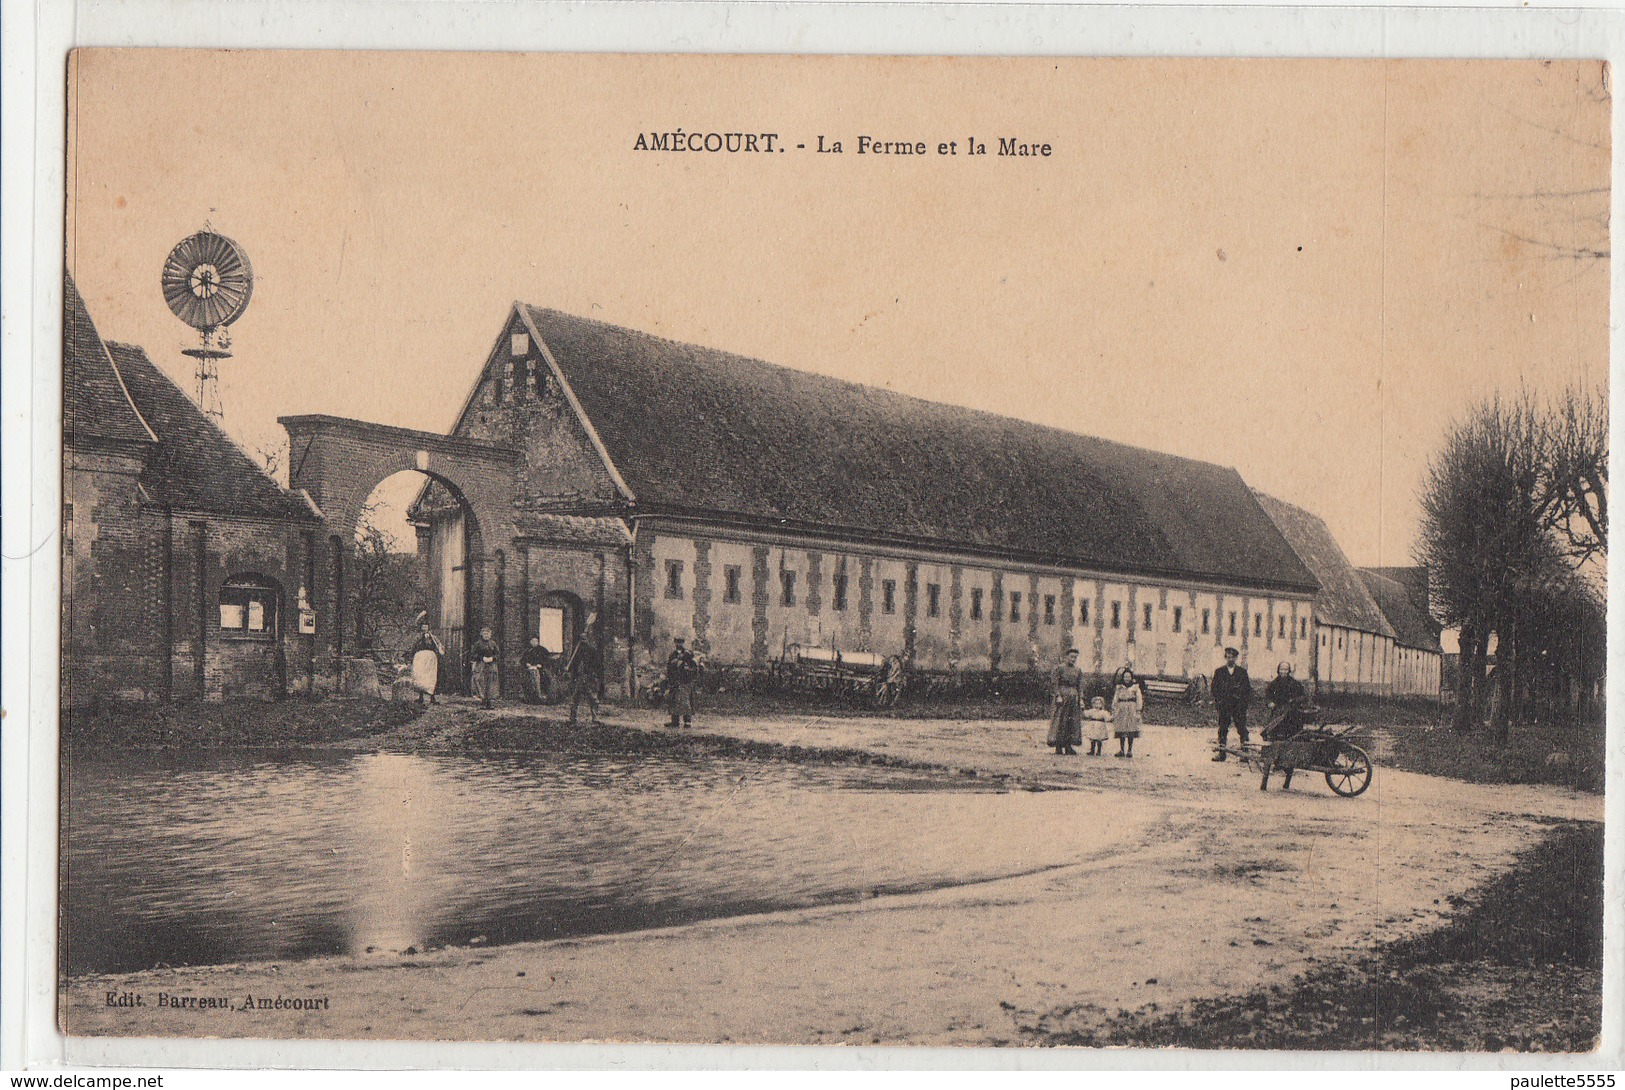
[670,490]
[597,476]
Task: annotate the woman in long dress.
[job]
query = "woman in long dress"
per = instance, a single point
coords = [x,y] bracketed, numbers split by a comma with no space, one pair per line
[426,652]
[1065,724]
[1128,701]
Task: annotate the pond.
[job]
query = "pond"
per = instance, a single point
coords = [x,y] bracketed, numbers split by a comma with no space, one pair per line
[211,857]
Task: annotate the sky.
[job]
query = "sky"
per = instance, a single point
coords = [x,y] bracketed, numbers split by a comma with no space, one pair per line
[1302,269]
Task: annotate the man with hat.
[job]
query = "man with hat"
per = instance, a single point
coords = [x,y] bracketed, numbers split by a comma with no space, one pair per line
[681,670]
[1232,692]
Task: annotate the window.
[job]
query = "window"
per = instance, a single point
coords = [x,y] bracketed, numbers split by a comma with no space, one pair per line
[521,378]
[888,596]
[1258,624]
[787,588]
[1282,627]
[730,583]
[1117,614]
[1303,628]
[1206,618]
[1179,619]
[248,609]
[674,579]
[840,590]
[1083,612]
[519,344]
[1049,609]
[976,603]
[933,599]
[1232,622]
[1146,624]
[538,375]
[1015,605]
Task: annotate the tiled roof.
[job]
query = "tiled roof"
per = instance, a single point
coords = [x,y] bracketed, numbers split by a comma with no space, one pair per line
[95,404]
[1412,625]
[697,431]
[1343,599]
[197,467]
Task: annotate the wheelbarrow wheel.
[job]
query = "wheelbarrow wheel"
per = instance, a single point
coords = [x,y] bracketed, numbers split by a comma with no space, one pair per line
[1350,773]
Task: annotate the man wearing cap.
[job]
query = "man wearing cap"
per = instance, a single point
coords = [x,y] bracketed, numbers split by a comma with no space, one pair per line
[681,670]
[1232,692]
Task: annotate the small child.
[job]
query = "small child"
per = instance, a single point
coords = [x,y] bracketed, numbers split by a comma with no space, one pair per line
[1098,724]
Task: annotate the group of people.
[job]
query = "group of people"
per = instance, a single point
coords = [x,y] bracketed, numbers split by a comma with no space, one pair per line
[1070,720]
[545,677]
[1071,723]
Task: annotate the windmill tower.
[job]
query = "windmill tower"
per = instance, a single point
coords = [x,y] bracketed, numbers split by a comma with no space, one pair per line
[207,282]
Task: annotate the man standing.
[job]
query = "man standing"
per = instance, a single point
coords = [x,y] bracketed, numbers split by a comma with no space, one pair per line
[483,657]
[681,670]
[586,672]
[1232,692]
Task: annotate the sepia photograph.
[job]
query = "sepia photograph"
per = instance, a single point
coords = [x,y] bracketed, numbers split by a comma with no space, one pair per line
[1031,552]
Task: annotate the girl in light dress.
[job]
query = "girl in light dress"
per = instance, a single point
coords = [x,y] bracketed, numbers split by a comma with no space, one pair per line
[1097,727]
[1128,701]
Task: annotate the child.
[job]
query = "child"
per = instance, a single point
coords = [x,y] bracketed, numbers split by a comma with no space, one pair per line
[1099,721]
[1128,701]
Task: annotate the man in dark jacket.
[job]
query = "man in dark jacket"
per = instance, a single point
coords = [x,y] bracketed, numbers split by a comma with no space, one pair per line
[486,666]
[1232,692]
[586,671]
[682,668]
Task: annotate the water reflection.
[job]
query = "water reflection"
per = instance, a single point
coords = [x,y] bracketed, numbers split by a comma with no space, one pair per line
[207,858]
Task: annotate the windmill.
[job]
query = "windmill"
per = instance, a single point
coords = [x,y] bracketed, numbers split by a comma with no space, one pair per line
[207,282]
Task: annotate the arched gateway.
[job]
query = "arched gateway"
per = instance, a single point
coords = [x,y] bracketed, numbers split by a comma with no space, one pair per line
[339,462]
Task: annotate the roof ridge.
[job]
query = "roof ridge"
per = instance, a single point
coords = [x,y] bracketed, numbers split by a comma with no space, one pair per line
[884,390]
[208,419]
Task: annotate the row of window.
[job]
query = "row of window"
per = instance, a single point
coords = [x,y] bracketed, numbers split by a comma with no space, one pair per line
[732,577]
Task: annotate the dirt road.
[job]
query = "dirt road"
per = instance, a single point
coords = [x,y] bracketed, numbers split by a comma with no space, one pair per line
[1165,877]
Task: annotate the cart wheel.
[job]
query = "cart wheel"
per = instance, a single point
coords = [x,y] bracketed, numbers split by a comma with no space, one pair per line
[1351,771]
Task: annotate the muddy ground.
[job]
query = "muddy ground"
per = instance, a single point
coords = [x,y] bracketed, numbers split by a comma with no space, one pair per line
[1181,884]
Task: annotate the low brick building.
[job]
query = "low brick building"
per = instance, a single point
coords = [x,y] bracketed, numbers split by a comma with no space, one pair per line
[674,490]
[183,563]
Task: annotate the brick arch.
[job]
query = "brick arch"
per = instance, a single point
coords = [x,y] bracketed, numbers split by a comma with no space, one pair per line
[338,462]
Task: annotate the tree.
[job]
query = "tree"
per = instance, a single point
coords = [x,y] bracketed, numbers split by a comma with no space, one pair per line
[1514,509]
[382,585]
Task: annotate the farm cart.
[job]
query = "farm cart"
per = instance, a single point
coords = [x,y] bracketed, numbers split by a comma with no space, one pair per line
[861,676]
[1326,750]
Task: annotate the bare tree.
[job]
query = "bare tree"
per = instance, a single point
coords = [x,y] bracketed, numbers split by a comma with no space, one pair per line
[1512,507]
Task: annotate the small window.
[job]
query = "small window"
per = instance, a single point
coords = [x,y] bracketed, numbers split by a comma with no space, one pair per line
[1303,628]
[1146,622]
[1207,621]
[538,377]
[1179,619]
[888,596]
[1232,622]
[1049,609]
[1282,627]
[933,599]
[840,591]
[976,603]
[1117,614]
[248,609]
[730,583]
[519,344]
[1083,612]
[787,588]
[674,579]
[1015,605]
[1258,624]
